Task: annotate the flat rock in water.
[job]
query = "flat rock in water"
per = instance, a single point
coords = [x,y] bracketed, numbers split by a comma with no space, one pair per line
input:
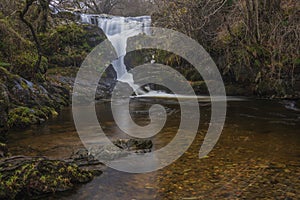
[120,149]
[134,144]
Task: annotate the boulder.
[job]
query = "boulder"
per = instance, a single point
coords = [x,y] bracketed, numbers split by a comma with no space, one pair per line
[23,103]
[121,148]
[134,144]
[32,177]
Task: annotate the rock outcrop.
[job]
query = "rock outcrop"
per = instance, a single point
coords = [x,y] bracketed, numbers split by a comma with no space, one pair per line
[24,177]
[23,103]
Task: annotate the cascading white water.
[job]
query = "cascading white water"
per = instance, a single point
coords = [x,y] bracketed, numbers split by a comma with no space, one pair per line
[113,26]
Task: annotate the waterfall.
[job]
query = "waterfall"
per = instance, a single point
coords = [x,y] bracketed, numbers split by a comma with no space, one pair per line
[112,27]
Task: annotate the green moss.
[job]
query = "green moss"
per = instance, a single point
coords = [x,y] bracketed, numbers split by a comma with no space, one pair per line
[49,111]
[66,71]
[67,45]
[6,74]
[24,85]
[4,64]
[23,116]
[40,176]
[25,62]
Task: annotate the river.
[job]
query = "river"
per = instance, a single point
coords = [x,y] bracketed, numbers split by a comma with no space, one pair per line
[257,156]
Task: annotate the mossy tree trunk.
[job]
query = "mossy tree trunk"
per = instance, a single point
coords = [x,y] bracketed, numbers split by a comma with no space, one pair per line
[22,15]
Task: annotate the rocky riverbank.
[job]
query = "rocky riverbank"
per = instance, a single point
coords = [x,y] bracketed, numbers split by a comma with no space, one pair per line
[37,177]
[28,98]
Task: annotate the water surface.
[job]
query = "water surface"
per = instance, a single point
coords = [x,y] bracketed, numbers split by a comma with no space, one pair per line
[257,156]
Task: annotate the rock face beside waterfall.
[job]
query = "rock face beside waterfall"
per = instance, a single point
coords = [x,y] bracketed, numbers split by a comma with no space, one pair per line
[96,28]
[68,45]
[25,100]
[23,103]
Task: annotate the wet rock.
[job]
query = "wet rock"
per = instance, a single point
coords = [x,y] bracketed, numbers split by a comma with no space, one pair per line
[107,153]
[30,177]
[23,116]
[24,103]
[82,157]
[94,35]
[134,144]
[106,84]
[121,148]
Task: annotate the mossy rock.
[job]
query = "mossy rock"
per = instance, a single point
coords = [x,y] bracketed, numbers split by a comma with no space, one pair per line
[23,116]
[29,103]
[26,177]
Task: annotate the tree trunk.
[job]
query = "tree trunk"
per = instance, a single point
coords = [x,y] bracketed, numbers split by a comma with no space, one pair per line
[44,15]
[33,33]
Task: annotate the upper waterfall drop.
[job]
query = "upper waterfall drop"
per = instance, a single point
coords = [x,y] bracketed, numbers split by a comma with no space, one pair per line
[117,30]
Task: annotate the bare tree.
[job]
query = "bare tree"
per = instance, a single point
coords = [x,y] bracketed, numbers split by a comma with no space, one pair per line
[90,6]
[22,14]
[187,16]
[102,6]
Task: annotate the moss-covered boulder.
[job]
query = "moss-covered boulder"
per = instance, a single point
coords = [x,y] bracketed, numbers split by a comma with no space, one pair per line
[23,116]
[27,177]
[24,103]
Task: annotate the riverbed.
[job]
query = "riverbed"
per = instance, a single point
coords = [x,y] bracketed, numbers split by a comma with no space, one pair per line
[256,157]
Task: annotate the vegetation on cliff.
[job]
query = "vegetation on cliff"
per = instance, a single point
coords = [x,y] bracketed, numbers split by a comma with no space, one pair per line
[254,43]
[32,40]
